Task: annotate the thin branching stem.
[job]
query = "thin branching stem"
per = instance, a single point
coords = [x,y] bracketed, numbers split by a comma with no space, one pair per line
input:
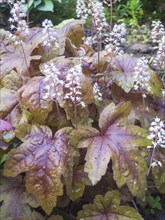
[25,58]
[151,159]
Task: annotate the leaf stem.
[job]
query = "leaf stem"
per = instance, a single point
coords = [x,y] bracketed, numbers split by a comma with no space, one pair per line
[134,204]
[152,157]
[24,56]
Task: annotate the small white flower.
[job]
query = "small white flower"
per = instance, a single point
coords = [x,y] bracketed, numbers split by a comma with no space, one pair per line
[117,38]
[73,85]
[157,32]
[50,35]
[96,92]
[142,76]
[157,133]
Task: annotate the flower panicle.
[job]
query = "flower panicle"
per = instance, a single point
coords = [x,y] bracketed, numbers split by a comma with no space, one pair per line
[157,133]
[17,19]
[142,75]
[50,36]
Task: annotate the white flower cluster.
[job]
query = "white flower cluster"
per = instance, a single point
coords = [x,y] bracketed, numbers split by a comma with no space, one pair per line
[53,85]
[81,10]
[50,35]
[141,75]
[159,59]
[17,19]
[96,10]
[63,86]
[116,38]
[88,41]
[157,32]
[96,92]
[157,133]
[73,85]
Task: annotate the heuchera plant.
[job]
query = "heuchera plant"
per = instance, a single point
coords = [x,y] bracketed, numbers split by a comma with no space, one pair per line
[78,124]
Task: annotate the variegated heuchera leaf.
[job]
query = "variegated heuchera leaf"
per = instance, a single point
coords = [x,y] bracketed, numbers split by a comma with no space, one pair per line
[108,207]
[47,160]
[119,141]
[31,98]
[15,200]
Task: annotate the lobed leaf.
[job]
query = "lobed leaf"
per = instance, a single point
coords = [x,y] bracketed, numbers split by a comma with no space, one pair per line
[31,98]
[117,141]
[124,71]
[47,160]
[108,207]
[15,200]
[15,59]
[8,101]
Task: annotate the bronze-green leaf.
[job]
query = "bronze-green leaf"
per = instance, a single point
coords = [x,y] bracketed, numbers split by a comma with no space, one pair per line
[47,159]
[31,98]
[118,141]
[108,207]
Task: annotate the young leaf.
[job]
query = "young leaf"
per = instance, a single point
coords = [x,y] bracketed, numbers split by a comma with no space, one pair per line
[108,207]
[118,141]
[15,200]
[31,97]
[47,159]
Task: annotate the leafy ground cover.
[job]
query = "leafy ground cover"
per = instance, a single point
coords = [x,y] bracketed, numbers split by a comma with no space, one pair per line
[82,134]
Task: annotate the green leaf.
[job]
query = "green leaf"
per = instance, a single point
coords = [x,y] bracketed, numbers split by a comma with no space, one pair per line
[48,160]
[46,6]
[118,141]
[37,2]
[156,84]
[108,207]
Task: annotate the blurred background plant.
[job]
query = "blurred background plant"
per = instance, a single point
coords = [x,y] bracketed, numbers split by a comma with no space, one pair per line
[131,12]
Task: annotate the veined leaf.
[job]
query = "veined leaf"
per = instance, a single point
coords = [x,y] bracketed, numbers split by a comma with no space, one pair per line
[7,102]
[124,71]
[108,207]
[15,200]
[31,97]
[118,141]
[47,159]
[14,58]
